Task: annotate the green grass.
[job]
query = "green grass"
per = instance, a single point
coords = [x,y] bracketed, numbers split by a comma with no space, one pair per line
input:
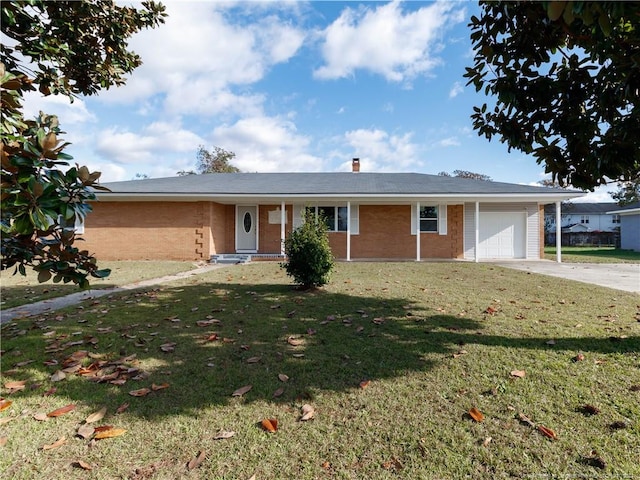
[419,333]
[20,290]
[593,255]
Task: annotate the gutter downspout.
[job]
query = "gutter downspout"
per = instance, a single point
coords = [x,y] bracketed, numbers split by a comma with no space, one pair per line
[558,233]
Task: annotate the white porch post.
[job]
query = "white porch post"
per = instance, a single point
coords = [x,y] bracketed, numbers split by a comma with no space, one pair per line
[558,233]
[476,221]
[348,231]
[417,231]
[283,219]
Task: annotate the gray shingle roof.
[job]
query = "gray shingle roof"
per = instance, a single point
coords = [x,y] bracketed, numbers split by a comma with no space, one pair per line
[336,183]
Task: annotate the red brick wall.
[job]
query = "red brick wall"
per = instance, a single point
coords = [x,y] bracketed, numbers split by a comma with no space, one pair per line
[196,230]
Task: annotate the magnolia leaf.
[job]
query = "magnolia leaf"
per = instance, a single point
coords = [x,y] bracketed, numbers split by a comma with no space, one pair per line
[547,432]
[57,376]
[96,416]
[112,432]
[526,420]
[15,386]
[270,425]
[156,387]
[83,465]
[241,391]
[40,416]
[195,462]
[142,392]
[223,435]
[308,412]
[62,410]
[476,414]
[85,431]
[364,384]
[578,358]
[518,373]
[278,392]
[58,443]
[295,342]
[4,404]
[3,441]
[283,378]
[122,408]
[253,359]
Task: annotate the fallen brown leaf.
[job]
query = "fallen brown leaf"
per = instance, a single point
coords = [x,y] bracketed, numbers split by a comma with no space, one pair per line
[308,412]
[140,392]
[547,432]
[3,441]
[223,435]
[476,414]
[241,391]
[295,342]
[122,408]
[578,358]
[58,376]
[278,392]
[96,416]
[85,431]
[4,404]
[526,420]
[196,461]
[283,378]
[58,443]
[112,432]
[270,425]
[518,373]
[83,465]
[40,416]
[364,384]
[50,392]
[15,386]
[254,359]
[61,410]
[161,386]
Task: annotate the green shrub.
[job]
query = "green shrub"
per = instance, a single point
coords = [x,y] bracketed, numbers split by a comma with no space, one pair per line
[309,257]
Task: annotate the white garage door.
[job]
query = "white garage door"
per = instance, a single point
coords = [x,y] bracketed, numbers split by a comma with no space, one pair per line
[502,235]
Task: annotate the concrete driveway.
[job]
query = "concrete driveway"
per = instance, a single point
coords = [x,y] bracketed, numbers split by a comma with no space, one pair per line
[620,276]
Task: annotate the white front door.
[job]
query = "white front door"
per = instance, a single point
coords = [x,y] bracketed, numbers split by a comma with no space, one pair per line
[246,228]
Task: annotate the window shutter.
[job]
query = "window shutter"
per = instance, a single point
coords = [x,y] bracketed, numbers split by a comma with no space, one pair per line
[442,219]
[355,219]
[298,219]
[413,219]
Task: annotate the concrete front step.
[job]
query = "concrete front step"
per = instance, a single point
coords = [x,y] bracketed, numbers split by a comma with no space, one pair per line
[231,258]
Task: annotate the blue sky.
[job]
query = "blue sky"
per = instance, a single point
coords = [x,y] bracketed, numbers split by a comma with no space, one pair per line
[294,86]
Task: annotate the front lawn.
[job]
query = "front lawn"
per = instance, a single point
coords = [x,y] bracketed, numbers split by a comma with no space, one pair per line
[593,255]
[20,289]
[390,357]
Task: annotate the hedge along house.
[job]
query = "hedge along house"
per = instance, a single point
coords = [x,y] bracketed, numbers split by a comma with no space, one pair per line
[391,216]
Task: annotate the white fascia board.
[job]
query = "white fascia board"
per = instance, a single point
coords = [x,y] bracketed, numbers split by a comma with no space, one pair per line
[385,199]
[628,211]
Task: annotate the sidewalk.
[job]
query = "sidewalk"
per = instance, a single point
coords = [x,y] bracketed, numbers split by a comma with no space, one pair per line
[52,304]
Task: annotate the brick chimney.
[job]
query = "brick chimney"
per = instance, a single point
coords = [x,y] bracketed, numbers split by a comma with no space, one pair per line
[355,165]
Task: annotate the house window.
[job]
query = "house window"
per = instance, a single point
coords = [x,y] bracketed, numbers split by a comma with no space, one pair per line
[334,217]
[584,218]
[616,218]
[76,224]
[429,219]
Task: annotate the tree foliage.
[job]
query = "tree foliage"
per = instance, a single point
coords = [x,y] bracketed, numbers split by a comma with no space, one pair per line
[466,174]
[565,77]
[309,257]
[218,160]
[627,192]
[68,48]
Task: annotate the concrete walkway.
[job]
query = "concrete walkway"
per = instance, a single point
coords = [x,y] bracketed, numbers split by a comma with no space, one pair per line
[620,276]
[52,304]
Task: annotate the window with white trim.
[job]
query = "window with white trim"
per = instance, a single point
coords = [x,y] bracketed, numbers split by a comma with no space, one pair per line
[76,224]
[584,218]
[334,217]
[616,218]
[433,219]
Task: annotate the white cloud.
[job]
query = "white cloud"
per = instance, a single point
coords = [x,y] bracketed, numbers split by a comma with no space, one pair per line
[380,151]
[195,59]
[267,144]
[158,140]
[68,113]
[397,45]
[456,90]
[448,142]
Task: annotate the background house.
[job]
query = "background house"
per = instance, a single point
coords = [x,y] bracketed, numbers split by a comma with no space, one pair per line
[584,224]
[629,226]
